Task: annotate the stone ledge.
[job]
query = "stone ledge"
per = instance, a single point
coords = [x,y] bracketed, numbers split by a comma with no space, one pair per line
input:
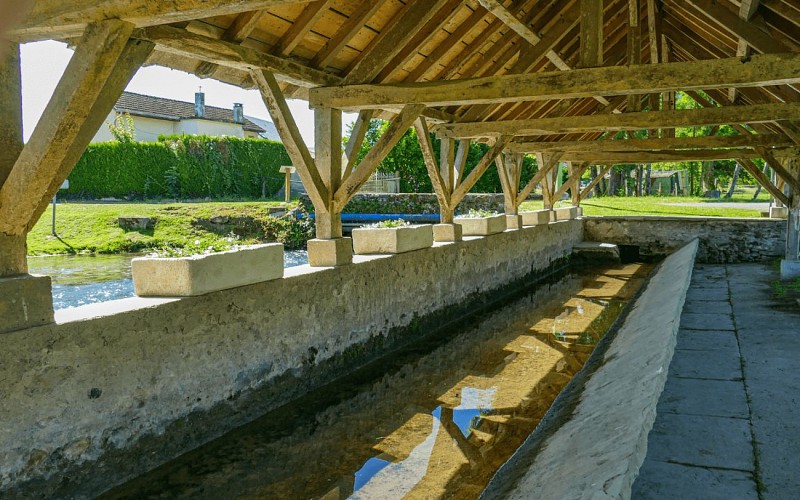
[593,439]
[25,301]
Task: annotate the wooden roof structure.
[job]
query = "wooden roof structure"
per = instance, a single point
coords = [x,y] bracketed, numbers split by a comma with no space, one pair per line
[529,76]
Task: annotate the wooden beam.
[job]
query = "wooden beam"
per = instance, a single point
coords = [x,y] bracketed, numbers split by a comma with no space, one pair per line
[591,43]
[575,173]
[360,127]
[103,64]
[770,69]
[762,179]
[328,161]
[10,108]
[397,127]
[396,36]
[636,157]
[51,19]
[717,141]
[300,28]
[237,32]
[789,177]
[652,30]
[475,174]
[439,187]
[545,48]
[183,43]
[544,168]
[290,136]
[736,26]
[629,121]
[634,49]
[595,181]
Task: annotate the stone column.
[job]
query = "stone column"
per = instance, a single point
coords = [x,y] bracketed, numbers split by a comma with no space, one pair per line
[25,300]
[329,248]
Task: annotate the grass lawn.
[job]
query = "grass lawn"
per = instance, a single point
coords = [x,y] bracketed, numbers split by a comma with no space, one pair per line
[90,227]
[671,206]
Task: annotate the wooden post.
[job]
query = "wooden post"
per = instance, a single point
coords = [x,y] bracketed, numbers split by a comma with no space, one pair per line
[328,152]
[591,43]
[793,223]
[13,247]
[288,171]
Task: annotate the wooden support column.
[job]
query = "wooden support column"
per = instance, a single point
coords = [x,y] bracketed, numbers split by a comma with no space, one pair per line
[595,181]
[445,230]
[509,170]
[104,62]
[328,159]
[13,247]
[634,49]
[792,269]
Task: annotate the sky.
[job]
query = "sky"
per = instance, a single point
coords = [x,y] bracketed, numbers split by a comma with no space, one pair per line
[43,63]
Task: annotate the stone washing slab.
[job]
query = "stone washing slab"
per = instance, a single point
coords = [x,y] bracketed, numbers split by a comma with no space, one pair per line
[706,340]
[379,240]
[708,307]
[717,364]
[715,398]
[537,217]
[706,321]
[593,440]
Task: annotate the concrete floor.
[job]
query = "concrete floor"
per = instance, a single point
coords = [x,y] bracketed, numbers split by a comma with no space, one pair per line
[728,423]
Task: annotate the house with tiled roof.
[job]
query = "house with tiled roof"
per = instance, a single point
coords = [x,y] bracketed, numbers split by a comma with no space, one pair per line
[155,116]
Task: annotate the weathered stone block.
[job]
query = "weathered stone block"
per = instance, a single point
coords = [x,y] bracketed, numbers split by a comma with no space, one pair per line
[595,252]
[25,301]
[136,223]
[565,213]
[371,240]
[536,217]
[481,226]
[446,232]
[790,269]
[200,274]
[513,221]
[327,253]
[778,212]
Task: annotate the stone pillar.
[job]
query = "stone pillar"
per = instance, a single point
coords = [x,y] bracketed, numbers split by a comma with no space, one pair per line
[329,248]
[25,300]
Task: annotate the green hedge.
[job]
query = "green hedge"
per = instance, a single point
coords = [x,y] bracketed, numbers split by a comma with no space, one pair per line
[179,167]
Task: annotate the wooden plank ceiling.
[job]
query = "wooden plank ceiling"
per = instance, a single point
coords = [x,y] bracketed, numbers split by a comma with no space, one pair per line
[343,42]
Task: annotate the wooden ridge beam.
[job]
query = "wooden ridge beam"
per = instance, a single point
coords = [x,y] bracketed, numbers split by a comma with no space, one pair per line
[397,127]
[60,20]
[291,138]
[181,42]
[717,141]
[105,60]
[628,121]
[768,69]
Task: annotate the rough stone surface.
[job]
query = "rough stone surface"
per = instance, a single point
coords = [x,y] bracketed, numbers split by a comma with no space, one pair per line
[790,269]
[25,301]
[481,226]
[594,449]
[199,274]
[593,252]
[330,253]
[778,212]
[565,213]
[536,217]
[415,203]
[721,240]
[513,221]
[446,232]
[369,240]
[173,373]
[136,222]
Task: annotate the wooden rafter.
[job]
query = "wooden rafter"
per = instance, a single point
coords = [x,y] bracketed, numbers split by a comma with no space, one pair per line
[68,19]
[300,28]
[239,30]
[353,25]
[768,69]
[103,64]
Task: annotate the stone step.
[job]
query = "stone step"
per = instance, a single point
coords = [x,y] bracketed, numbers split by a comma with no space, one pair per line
[594,252]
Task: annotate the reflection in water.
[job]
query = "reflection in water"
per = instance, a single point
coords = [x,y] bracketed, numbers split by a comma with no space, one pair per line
[433,420]
[87,279]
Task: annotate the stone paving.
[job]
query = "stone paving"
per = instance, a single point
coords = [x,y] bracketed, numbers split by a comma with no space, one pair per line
[728,423]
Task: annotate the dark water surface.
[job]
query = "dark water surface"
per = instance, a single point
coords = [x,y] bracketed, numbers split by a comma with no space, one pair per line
[87,279]
[434,420]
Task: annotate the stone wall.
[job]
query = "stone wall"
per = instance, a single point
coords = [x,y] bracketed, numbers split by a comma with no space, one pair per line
[721,240]
[413,203]
[114,389]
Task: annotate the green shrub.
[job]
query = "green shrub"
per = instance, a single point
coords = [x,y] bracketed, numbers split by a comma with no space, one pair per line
[179,167]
